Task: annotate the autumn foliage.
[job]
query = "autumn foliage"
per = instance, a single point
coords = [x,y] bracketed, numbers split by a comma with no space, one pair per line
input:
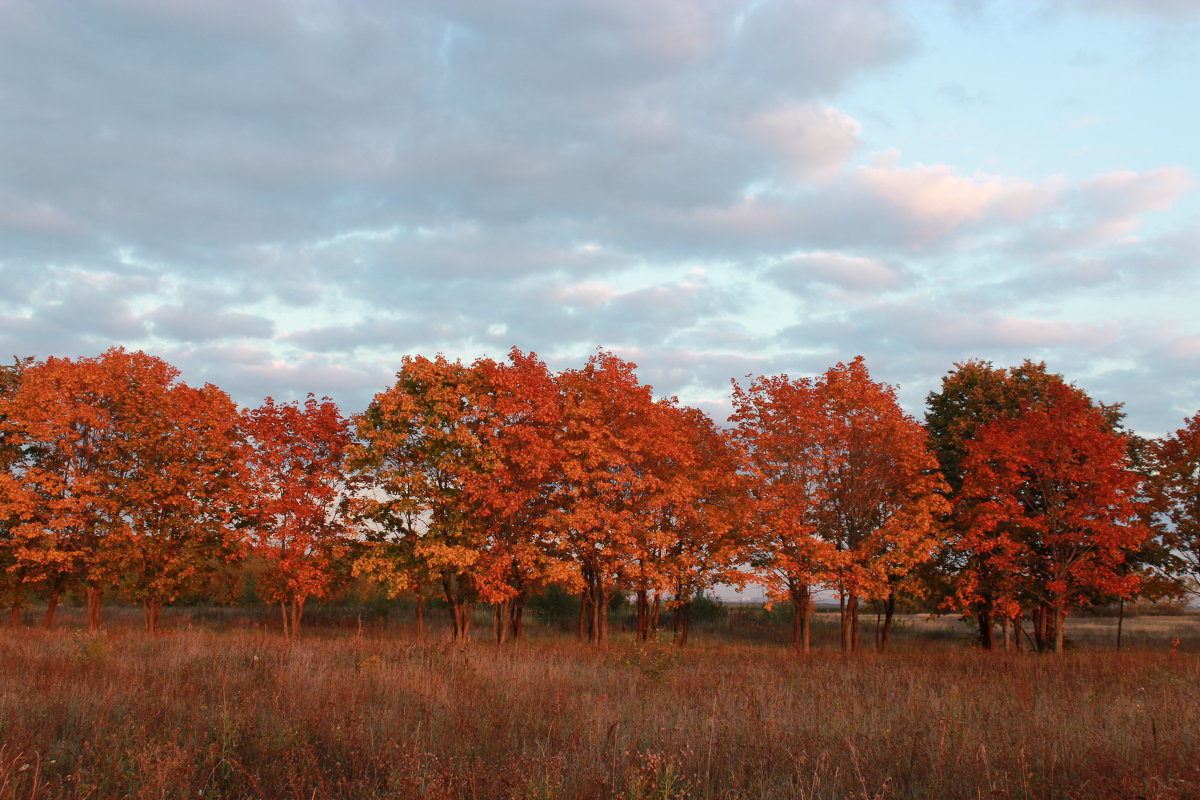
[487,482]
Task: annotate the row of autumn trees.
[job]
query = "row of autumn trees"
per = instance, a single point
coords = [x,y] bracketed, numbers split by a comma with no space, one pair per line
[1018,500]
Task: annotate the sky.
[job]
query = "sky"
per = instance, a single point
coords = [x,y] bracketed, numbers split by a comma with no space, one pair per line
[289,197]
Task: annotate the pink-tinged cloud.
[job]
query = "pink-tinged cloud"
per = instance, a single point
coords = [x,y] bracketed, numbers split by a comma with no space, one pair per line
[1028,332]
[931,196]
[1123,196]
[810,141]
[854,273]
[35,218]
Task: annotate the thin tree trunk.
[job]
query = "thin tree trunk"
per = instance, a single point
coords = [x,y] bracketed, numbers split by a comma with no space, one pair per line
[583,613]
[420,617]
[1120,623]
[889,611]
[984,617]
[803,601]
[516,611]
[93,593]
[150,609]
[283,610]
[687,622]
[1004,628]
[655,614]
[1018,625]
[844,622]
[51,605]
[16,615]
[853,604]
[604,598]
[643,623]
[1060,616]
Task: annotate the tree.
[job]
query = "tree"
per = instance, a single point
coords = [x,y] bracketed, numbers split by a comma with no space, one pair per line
[181,492]
[110,453]
[607,486]
[846,491]
[702,526]
[511,494]
[1050,504]
[296,490]
[1173,498]
[974,394]
[777,428]
[15,583]
[418,441]
[880,501]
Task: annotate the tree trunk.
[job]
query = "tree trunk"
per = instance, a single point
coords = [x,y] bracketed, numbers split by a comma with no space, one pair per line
[1004,628]
[16,615]
[150,609]
[643,616]
[516,610]
[461,614]
[843,624]
[1060,617]
[889,611]
[283,610]
[1120,623]
[51,605]
[583,613]
[802,617]
[420,617]
[1018,625]
[500,621]
[1039,628]
[984,618]
[655,614]
[853,608]
[605,596]
[687,622]
[802,597]
[93,593]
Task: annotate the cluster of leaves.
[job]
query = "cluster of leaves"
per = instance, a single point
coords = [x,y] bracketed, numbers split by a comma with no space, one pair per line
[1018,499]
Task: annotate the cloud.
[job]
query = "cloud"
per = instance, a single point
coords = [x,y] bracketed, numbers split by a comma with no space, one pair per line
[199,325]
[798,273]
[812,141]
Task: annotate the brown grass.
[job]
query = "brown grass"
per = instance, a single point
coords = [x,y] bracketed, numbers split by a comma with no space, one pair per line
[207,714]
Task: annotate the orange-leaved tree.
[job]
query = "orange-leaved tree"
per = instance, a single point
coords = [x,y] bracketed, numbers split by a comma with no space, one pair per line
[1173,495]
[777,422]
[510,494]
[701,527]
[178,451]
[182,491]
[296,498]
[117,477]
[15,582]
[1052,504]
[879,501]
[972,395]
[607,487]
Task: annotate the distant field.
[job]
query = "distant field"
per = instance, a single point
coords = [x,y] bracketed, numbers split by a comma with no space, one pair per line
[201,712]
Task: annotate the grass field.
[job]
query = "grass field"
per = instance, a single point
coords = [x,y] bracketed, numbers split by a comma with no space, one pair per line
[202,711]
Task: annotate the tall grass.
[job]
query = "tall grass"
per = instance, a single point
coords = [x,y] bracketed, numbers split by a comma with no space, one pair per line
[220,714]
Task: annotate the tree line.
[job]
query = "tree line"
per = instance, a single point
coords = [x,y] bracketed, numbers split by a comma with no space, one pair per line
[1017,500]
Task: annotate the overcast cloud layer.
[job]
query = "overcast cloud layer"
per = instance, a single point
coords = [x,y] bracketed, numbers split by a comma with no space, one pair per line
[283,197]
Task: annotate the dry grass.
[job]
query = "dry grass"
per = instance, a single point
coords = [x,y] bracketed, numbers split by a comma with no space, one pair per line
[207,714]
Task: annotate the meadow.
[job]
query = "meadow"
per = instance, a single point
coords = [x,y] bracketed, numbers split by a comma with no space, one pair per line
[215,707]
